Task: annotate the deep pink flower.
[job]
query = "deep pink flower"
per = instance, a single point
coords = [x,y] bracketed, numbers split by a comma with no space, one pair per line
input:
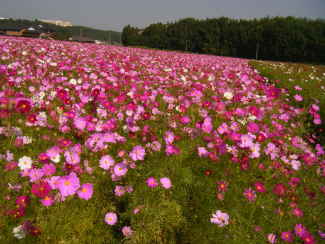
[41,189]
[22,201]
[279,189]
[250,194]
[86,191]
[171,149]
[297,212]
[287,236]
[300,230]
[308,238]
[23,106]
[222,186]
[259,186]
[152,182]
[47,201]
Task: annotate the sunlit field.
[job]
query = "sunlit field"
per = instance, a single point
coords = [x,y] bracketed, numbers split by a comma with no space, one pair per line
[106,144]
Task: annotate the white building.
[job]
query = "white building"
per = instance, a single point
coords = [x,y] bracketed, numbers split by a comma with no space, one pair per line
[57,22]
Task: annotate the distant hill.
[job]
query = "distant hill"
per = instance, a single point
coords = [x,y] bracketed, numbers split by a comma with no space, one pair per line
[63,33]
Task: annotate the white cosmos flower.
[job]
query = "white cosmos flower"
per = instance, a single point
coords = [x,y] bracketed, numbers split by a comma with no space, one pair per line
[25,163]
[56,158]
[19,232]
[228,95]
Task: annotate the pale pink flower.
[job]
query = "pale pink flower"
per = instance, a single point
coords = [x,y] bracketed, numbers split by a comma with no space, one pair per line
[165,182]
[111,218]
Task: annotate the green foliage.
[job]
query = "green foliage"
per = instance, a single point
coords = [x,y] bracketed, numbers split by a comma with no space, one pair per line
[278,38]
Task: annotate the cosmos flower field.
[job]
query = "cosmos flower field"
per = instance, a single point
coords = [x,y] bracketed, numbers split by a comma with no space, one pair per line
[106,144]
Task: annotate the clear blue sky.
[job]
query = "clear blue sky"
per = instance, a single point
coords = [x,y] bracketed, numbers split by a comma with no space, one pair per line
[114,15]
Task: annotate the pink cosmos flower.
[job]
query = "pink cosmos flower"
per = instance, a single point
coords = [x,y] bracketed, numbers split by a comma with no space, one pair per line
[166,183]
[259,186]
[72,157]
[69,184]
[308,238]
[219,218]
[169,137]
[111,218]
[207,125]
[119,191]
[35,174]
[202,151]
[137,153]
[47,201]
[298,98]
[106,162]
[300,230]
[287,236]
[250,194]
[120,169]
[152,182]
[49,169]
[222,186]
[127,231]
[85,191]
[80,123]
[171,149]
[271,238]
[279,189]
[22,201]
[297,212]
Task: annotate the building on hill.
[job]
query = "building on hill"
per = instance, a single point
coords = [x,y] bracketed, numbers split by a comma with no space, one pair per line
[34,32]
[62,23]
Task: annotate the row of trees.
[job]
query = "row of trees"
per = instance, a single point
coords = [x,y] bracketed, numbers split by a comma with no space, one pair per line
[63,33]
[277,38]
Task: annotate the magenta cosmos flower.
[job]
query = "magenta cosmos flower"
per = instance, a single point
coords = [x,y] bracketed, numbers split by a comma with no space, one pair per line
[69,184]
[152,182]
[111,218]
[137,153]
[250,194]
[86,191]
[259,186]
[287,236]
[41,189]
[300,230]
[47,201]
[166,183]
[23,106]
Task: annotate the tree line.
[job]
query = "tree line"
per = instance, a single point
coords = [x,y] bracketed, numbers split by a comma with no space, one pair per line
[276,38]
